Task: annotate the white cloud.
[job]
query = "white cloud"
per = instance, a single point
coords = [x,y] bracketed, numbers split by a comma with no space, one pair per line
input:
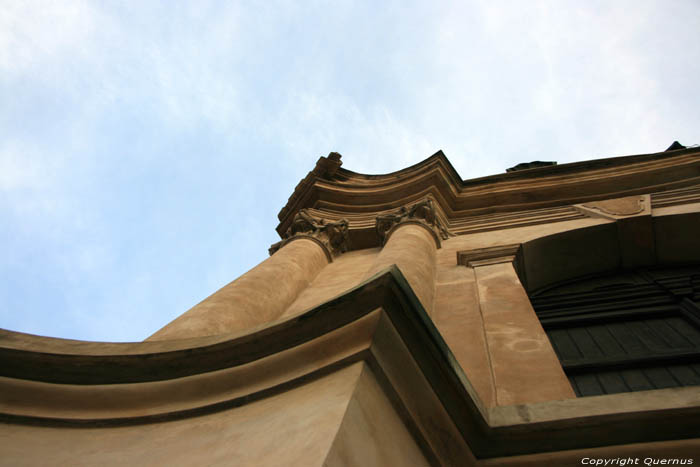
[18,169]
[33,33]
[131,133]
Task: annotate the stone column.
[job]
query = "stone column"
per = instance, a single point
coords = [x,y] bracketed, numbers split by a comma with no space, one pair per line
[263,294]
[524,366]
[411,239]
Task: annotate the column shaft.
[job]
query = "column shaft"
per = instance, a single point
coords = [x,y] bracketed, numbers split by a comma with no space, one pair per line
[259,296]
[412,248]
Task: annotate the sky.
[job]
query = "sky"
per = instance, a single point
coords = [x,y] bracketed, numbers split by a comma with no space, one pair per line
[146,148]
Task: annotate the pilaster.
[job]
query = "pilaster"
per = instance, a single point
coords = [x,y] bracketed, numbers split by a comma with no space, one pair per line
[524,366]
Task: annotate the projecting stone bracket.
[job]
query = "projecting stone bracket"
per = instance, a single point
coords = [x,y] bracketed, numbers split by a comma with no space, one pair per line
[332,236]
[421,213]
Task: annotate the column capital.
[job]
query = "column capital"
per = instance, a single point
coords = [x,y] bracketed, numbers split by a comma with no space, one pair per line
[421,213]
[332,236]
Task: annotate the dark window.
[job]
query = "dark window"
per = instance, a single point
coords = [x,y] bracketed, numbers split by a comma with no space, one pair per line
[630,331]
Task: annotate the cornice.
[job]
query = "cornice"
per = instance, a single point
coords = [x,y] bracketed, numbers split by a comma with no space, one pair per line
[348,194]
[687,195]
[60,383]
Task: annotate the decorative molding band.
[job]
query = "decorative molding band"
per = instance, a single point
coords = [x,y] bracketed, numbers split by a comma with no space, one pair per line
[500,221]
[675,197]
[490,255]
[330,187]
[332,236]
[421,213]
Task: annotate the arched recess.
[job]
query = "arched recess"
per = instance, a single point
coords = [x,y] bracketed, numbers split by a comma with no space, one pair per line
[620,302]
[646,241]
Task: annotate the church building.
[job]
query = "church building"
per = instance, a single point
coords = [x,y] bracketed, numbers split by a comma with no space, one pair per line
[548,315]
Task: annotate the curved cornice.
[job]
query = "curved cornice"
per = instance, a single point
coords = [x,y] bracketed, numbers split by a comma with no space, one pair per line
[53,382]
[359,197]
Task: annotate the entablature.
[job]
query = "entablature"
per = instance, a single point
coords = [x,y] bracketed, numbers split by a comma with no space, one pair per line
[536,195]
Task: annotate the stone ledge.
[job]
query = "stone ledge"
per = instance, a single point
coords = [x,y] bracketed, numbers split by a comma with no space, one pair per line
[350,326]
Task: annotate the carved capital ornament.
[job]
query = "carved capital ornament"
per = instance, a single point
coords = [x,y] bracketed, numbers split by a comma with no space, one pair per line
[421,213]
[332,236]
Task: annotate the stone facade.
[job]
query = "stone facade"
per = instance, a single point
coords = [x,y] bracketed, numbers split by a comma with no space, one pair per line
[393,324]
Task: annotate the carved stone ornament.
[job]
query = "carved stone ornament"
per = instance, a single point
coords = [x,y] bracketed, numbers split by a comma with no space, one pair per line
[422,212]
[627,206]
[331,235]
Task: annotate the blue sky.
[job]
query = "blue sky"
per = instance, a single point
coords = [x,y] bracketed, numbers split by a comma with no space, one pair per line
[147,147]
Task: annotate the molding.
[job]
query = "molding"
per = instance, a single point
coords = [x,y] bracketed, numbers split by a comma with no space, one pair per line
[502,221]
[512,253]
[46,382]
[363,233]
[675,197]
[325,168]
[348,194]
[490,255]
